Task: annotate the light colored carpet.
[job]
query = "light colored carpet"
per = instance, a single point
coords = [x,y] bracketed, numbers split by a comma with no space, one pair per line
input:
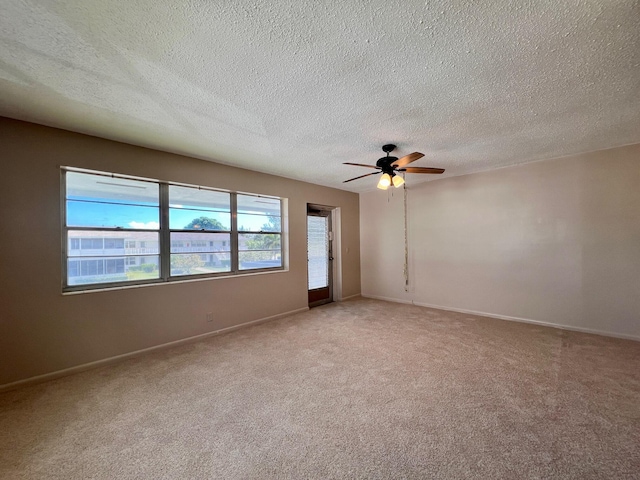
[359,389]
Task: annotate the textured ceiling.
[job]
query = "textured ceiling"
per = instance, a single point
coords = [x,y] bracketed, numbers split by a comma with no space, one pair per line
[295,88]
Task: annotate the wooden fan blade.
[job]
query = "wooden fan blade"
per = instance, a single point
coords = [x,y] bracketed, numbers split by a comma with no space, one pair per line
[407,159]
[421,170]
[361,176]
[360,165]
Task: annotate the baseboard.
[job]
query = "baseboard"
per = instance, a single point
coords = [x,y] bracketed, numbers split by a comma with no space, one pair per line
[119,358]
[350,296]
[510,318]
[388,299]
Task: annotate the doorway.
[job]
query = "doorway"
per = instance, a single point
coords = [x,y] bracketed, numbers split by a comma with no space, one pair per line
[319,255]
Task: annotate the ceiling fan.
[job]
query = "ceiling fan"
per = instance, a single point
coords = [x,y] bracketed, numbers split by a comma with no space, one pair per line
[388,166]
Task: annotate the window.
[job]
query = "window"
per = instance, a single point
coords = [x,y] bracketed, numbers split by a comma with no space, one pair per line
[259,242]
[199,221]
[103,214]
[114,234]
[114,244]
[91,243]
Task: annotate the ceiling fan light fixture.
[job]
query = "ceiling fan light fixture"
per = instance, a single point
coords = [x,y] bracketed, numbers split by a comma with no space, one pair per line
[384,182]
[398,181]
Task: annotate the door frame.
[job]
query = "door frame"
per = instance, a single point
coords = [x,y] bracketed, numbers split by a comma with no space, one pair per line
[335,265]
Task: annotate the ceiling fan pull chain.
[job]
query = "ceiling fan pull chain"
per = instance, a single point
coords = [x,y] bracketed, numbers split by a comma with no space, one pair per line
[406,242]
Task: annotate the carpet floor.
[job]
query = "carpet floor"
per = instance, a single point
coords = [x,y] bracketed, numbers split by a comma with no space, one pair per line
[357,389]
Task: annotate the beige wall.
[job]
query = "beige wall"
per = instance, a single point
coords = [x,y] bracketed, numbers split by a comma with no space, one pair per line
[42,331]
[556,241]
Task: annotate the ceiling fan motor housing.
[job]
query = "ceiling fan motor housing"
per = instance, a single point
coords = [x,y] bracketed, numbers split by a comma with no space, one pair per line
[385,162]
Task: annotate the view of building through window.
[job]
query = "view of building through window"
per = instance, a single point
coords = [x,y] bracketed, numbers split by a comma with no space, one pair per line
[114,233]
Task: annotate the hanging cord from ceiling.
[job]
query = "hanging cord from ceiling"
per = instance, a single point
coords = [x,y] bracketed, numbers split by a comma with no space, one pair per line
[406,242]
[406,238]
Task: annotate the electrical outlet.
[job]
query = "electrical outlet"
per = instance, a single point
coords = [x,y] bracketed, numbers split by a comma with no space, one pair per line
[210,317]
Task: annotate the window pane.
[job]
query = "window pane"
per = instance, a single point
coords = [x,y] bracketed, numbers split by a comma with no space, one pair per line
[90,214]
[100,201]
[258,205]
[82,271]
[142,267]
[99,188]
[200,242]
[200,263]
[258,223]
[257,214]
[196,209]
[93,243]
[183,219]
[258,259]
[260,250]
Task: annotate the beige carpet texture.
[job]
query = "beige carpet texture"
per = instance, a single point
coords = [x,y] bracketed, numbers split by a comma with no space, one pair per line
[358,389]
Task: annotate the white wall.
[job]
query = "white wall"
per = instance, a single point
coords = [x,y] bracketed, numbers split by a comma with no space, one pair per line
[556,241]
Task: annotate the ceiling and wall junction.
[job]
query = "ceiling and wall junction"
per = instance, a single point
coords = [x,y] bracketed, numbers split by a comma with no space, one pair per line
[296,88]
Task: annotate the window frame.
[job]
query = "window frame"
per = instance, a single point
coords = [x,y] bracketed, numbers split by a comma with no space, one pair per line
[164,237]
